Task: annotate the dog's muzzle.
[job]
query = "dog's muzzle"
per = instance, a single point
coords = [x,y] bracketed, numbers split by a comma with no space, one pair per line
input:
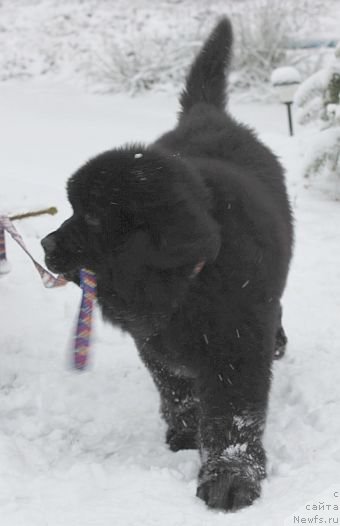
[49,244]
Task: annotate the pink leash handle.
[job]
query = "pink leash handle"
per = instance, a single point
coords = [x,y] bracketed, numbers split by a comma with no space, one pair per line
[49,281]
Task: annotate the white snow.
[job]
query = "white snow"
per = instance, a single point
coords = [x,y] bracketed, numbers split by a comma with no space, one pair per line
[5,267]
[323,151]
[87,449]
[327,140]
[285,75]
[235,450]
[120,46]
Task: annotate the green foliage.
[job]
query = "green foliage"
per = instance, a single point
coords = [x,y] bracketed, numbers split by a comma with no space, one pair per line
[333,90]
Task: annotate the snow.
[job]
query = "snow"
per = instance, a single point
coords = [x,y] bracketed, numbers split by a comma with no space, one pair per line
[235,450]
[285,75]
[321,161]
[312,98]
[110,46]
[87,449]
[5,267]
[119,46]
[328,139]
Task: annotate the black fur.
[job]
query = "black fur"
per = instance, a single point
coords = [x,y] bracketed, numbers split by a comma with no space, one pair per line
[207,80]
[191,239]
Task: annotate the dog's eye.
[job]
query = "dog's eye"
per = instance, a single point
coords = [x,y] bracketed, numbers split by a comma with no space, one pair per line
[92,220]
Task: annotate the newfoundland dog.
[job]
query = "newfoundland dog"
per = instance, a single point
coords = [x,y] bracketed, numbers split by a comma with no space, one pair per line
[190,239]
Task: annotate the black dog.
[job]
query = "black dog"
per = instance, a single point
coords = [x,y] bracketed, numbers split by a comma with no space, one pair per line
[191,239]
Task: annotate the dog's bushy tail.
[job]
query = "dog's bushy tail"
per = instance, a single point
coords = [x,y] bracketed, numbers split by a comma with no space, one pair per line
[207,78]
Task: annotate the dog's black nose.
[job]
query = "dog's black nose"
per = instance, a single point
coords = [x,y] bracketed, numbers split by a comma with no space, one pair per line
[49,243]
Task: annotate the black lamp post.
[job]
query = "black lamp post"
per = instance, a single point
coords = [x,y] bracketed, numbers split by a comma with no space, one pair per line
[286,81]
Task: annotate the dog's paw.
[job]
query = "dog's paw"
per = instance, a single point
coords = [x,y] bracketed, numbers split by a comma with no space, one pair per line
[183,439]
[230,485]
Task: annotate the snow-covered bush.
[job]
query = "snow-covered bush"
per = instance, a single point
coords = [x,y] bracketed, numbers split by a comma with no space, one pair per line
[158,53]
[265,30]
[136,45]
[318,101]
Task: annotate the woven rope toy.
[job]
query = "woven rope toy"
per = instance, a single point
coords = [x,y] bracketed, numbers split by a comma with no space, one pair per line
[82,335]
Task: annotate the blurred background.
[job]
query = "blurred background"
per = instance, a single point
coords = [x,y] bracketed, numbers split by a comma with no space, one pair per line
[137,45]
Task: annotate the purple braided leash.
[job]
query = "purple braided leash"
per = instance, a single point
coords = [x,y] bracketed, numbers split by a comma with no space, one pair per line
[87,283]
[84,325]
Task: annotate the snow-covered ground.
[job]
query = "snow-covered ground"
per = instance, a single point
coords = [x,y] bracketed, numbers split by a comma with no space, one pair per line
[88,449]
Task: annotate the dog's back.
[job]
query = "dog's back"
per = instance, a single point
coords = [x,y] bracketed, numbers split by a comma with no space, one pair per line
[226,153]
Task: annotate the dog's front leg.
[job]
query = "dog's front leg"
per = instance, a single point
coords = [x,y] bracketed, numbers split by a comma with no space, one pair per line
[233,400]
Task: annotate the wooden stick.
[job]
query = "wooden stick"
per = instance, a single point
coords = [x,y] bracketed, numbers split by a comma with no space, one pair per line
[52,210]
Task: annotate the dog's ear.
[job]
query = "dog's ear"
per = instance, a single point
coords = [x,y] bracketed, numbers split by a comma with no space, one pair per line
[173,204]
[185,235]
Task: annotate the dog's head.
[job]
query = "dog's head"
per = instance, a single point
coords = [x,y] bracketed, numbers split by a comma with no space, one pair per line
[138,203]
